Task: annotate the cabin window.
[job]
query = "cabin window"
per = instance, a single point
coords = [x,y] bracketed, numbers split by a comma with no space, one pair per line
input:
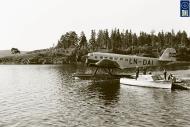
[111,58]
[115,58]
[96,57]
[91,54]
[126,59]
[121,58]
[101,57]
[105,57]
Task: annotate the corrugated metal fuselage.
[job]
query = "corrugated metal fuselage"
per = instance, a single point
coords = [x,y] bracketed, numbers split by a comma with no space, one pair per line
[125,61]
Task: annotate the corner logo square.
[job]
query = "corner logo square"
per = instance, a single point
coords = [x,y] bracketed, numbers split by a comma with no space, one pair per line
[184,8]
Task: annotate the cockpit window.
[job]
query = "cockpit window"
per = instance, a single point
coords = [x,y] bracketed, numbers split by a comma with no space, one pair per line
[90,54]
[115,58]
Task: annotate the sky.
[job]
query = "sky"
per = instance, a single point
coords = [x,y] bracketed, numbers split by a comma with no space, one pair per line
[38,24]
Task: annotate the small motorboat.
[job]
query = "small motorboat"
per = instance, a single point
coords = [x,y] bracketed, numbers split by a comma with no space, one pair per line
[154,81]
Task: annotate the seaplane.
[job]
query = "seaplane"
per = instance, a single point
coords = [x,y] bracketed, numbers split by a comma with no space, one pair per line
[110,61]
[132,61]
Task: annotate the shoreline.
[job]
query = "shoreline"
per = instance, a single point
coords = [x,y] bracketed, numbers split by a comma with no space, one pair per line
[56,58]
[11,60]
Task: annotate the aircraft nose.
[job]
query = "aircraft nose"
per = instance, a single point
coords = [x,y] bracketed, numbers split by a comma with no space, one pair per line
[86,59]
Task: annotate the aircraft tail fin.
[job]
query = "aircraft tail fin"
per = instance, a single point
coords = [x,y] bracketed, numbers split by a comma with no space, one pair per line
[168,55]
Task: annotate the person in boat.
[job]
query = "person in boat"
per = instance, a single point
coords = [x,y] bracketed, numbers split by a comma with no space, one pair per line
[165,74]
[172,78]
[169,76]
[137,72]
[144,70]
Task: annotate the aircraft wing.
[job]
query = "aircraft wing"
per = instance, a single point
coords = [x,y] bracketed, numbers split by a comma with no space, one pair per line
[106,63]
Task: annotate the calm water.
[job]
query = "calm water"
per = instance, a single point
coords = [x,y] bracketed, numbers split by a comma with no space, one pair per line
[47,95]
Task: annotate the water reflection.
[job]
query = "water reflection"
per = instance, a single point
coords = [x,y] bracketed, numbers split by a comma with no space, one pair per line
[106,90]
[49,96]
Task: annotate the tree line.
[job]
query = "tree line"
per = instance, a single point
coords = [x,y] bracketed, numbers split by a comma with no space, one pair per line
[127,42]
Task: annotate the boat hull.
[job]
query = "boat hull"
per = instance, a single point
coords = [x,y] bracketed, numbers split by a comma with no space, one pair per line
[152,84]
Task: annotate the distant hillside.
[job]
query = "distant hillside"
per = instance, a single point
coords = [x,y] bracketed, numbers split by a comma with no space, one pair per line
[4,53]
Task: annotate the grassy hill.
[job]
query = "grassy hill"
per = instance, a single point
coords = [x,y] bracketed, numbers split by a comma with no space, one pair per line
[44,56]
[4,53]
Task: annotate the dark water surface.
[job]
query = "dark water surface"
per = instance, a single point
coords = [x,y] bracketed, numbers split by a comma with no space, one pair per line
[48,96]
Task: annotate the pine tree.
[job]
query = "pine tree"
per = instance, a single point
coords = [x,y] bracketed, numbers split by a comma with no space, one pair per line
[107,40]
[92,41]
[100,39]
[83,41]
[161,39]
[114,40]
[67,40]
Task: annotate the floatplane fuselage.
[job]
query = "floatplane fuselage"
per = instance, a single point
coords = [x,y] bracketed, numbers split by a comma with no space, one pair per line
[131,61]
